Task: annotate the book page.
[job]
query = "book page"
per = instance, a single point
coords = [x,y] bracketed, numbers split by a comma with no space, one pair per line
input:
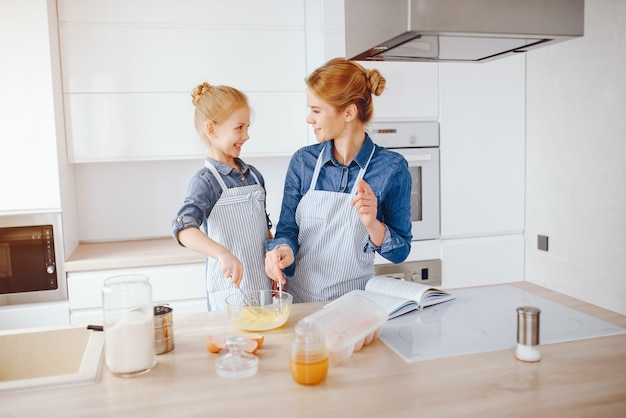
[393,305]
[398,288]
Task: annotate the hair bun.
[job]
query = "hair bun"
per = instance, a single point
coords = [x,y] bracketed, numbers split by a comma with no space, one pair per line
[197,93]
[376,81]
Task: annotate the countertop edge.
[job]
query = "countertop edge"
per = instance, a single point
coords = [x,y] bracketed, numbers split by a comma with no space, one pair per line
[130,254]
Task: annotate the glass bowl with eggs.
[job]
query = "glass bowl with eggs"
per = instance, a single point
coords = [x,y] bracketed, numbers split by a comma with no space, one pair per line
[259,310]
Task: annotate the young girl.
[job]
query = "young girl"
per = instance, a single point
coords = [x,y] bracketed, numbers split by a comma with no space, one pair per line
[226,198]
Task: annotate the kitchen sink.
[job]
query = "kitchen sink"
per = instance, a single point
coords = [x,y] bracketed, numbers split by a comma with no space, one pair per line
[39,358]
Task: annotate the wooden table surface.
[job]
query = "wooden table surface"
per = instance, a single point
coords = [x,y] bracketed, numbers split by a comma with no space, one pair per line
[579,378]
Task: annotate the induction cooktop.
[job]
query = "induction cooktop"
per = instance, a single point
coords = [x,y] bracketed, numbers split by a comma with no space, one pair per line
[485,319]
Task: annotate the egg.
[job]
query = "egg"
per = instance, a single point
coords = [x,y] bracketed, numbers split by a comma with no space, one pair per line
[216,343]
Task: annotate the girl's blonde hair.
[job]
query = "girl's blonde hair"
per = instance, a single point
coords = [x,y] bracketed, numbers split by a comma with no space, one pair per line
[215,103]
[341,82]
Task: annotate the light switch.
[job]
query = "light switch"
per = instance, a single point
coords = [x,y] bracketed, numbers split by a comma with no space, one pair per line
[542,242]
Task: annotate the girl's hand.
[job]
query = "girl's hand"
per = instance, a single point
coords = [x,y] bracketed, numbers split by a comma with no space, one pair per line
[365,203]
[276,260]
[231,268]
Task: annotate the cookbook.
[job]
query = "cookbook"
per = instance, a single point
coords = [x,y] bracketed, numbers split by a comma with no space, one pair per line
[400,296]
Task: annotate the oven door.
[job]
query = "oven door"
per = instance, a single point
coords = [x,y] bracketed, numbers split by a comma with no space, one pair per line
[424,169]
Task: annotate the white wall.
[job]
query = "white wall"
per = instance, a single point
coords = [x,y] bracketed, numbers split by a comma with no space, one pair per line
[119,201]
[576,161]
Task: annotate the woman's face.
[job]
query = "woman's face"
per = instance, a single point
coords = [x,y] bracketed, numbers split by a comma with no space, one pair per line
[229,136]
[327,122]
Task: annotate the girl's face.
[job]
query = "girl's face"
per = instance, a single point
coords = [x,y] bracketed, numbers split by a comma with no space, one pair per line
[228,137]
[327,122]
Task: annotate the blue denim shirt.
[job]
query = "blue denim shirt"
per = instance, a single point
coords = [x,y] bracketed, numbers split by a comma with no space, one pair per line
[204,191]
[387,174]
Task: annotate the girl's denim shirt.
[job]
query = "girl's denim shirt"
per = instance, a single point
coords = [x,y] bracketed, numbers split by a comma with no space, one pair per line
[204,191]
[388,176]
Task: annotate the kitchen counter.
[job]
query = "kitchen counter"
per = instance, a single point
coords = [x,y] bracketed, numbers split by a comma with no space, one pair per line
[90,256]
[578,378]
[129,254]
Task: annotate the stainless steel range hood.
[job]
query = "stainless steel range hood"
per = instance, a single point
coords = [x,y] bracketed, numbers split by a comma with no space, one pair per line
[456,30]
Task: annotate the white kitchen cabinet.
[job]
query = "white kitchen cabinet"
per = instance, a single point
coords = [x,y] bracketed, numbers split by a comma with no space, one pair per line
[412,90]
[34,315]
[482,261]
[29,168]
[482,140]
[180,286]
[128,73]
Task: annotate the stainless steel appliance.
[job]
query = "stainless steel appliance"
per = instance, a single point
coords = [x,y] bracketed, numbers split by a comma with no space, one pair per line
[31,259]
[457,30]
[418,142]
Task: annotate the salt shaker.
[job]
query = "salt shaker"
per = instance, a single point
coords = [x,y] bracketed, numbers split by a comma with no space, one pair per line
[528,334]
[128,325]
[309,354]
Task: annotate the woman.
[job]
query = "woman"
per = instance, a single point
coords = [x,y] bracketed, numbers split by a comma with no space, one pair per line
[345,197]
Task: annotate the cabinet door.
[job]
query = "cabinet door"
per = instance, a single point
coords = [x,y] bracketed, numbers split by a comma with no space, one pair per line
[177,285]
[34,315]
[28,131]
[411,91]
[128,73]
[482,261]
[482,134]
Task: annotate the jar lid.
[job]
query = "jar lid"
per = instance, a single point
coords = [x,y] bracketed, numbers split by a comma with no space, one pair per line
[236,364]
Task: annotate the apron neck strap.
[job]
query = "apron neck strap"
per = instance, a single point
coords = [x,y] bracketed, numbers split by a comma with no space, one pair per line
[218,177]
[318,167]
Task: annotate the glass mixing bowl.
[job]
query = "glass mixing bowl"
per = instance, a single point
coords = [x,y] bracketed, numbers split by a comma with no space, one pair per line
[259,310]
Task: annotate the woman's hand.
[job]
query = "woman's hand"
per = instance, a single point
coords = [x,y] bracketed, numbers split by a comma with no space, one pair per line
[276,260]
[231,268]
[365,203]
[366,206]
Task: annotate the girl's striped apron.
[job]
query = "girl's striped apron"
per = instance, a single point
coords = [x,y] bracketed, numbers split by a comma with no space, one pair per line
[331,260]
[238,222]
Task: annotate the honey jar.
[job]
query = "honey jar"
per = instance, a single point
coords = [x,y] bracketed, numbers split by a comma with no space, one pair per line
[309,355]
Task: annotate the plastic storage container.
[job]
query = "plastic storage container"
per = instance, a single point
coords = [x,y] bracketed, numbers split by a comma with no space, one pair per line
[349,324]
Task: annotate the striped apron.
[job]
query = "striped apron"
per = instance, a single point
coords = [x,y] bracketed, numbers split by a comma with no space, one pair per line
[331,259]
[237,222]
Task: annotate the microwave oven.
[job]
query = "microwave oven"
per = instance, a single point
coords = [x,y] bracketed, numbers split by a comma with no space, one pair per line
[31,262]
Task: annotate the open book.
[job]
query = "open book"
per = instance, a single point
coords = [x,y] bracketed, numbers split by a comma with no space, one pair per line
[400,296]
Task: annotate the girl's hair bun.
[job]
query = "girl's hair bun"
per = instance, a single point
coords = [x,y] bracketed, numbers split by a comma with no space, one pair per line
[196,94]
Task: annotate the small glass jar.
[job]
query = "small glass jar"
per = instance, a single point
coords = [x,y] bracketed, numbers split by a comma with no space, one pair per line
[236,364]
[128,325]
[309,354]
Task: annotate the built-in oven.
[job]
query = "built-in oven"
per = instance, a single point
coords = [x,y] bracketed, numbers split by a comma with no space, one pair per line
[31,261]
[418,142]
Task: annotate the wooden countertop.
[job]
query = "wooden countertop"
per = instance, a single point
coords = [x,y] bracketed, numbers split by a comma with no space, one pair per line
[579,378]
[130,254]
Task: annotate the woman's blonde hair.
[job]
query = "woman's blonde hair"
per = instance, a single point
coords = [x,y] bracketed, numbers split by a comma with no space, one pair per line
[215,103]
[341,82]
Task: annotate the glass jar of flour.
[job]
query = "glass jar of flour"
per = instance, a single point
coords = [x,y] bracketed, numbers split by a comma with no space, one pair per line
[128,325]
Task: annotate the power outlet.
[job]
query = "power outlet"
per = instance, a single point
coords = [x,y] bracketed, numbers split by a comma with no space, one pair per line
[426,272]
[542,242]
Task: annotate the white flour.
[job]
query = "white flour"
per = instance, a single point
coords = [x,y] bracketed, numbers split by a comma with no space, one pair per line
[129,344]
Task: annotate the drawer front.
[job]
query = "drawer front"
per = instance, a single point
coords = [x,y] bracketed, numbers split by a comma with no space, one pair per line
[169,283]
